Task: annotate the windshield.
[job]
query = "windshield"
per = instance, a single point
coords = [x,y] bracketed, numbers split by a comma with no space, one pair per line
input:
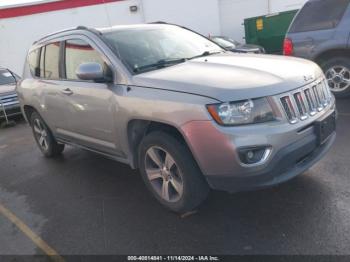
[153,48]
[6,77]
[222,42]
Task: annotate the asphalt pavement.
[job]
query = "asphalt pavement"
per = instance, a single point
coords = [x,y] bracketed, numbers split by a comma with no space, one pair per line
[82,203]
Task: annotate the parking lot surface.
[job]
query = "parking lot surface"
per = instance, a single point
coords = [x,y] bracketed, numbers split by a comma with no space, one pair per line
[82,203]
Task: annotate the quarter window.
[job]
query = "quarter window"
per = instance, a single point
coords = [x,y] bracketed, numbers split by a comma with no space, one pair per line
[319,15]
[33,62]
[78,52]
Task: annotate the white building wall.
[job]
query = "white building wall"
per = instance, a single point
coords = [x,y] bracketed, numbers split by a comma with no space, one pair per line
[285,5]
[209,17]
[233,13]
[17,34]
[199,15]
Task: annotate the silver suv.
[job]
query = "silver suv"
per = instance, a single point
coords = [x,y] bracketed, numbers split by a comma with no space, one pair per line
[189,115]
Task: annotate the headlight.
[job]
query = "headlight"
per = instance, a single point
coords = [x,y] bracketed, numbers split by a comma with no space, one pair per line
[242,112]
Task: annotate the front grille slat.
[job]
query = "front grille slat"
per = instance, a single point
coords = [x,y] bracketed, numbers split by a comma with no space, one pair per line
[8,100]
[306,102]
[299,100]
[324,94]
[311,101]
[289,109]
[318,98]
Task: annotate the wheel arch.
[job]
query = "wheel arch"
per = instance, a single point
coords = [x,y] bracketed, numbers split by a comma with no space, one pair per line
[28,111]
[137,129]
[327,54]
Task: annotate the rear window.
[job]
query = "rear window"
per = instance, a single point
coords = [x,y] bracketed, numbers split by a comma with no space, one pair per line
[319,15]
[44,62]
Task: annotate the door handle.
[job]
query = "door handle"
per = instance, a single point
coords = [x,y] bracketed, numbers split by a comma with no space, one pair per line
[67,91]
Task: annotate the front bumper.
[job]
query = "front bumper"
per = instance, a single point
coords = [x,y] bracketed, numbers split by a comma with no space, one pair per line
[287,164]
[9,105]
[295,149]
[11,111]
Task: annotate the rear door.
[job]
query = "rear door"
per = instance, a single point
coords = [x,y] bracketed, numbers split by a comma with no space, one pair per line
[316,25]
[91,106]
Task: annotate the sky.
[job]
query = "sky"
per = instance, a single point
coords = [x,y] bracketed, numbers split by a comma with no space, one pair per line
[4,3]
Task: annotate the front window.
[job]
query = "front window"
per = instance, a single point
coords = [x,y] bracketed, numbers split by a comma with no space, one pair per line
[152,48]
[6,78]
[77,52]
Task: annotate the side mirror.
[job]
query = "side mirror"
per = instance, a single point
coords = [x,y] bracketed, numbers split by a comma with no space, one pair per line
[90,71]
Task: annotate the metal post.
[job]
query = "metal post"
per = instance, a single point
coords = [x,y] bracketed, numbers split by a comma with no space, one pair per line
[3,109]
[269,6]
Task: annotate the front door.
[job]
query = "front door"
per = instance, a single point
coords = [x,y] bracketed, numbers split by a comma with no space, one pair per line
[91,106]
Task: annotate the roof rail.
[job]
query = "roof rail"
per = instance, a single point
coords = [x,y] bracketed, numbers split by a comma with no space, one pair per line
[166,23]
[158,22]
[81,27]
[92,30]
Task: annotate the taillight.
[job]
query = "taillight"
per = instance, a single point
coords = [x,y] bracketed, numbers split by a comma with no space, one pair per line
[288,47]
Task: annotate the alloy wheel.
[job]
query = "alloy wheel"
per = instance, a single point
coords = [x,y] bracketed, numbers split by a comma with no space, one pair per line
[40,134]
[338,78]
[163,174]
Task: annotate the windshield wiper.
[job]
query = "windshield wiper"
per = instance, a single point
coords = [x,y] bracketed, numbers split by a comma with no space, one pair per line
[160,64]
[206,53]
[168,62]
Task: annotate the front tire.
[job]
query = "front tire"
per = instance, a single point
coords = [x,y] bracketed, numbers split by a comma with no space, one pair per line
[337,72]
[44,138]
[171,173]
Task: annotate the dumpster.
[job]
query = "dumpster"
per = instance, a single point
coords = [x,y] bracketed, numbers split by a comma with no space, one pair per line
[269,30]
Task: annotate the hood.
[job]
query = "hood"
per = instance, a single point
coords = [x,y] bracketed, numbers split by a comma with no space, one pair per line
[4,89]
[230,77]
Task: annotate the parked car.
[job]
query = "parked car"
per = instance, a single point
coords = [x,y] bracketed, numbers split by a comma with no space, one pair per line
[234,46]
[9,104]
[320,32]
[188,114]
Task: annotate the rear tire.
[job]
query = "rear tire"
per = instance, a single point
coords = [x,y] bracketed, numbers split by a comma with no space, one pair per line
[337,71]
[171,173]
[44,138]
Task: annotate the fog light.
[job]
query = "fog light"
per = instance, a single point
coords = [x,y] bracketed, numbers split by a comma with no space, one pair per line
[250,155]
[254,155]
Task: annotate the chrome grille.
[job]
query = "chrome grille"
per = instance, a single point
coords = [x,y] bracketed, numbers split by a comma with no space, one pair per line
[289,109]
[311,101]
[306,102]
[318,98]
[8,100]
[299,100]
